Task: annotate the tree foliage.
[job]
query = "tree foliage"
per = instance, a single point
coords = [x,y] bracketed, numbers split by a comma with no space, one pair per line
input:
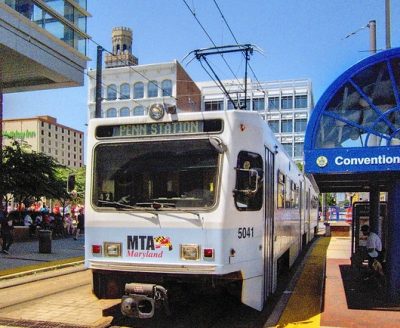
[29,175]
[80,176]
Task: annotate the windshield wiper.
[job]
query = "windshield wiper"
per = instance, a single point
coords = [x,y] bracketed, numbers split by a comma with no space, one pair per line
[155,205]
[119,205]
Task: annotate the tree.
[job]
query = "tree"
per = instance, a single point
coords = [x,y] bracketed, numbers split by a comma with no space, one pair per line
[80,176]
[29,175]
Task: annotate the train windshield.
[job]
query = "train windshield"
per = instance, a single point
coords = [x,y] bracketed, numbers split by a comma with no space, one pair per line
[157,175]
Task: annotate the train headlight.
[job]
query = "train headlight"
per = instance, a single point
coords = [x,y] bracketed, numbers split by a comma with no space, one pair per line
[112,249]
[156,111]
[190,252]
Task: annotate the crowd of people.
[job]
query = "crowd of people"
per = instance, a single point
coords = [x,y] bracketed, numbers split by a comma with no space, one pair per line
[62,222]
[61,226]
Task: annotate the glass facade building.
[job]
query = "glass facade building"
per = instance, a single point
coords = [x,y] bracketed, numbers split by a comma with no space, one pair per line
[64,19]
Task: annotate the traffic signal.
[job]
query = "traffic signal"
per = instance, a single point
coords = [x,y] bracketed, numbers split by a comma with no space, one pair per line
[71,183]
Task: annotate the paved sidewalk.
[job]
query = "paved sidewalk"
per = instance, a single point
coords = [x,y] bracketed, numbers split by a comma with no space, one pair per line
[26,254]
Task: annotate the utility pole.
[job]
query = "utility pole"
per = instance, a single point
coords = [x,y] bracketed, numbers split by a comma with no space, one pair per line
[387,22]
[98,81]
[372,36]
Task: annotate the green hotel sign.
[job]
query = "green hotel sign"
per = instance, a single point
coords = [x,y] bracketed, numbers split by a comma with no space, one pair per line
[19,134]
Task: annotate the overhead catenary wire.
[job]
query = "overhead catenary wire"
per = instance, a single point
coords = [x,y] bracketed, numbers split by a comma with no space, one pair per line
[210,38]
[234,37]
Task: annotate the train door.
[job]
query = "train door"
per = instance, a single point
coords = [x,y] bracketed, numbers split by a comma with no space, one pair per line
[269,223]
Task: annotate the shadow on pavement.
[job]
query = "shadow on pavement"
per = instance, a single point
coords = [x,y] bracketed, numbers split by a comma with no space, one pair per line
[364,295]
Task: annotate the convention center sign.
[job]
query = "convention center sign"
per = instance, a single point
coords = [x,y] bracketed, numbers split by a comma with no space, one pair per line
[355,126]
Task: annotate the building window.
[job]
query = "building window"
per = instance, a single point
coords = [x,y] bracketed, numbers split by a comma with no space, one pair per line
[273,103]
[287,102]
[286,126]
[298,149]
[152,89]
[240,105]
[232,105]
[288,148]
[124,91]
[258,104]
[124,111]
[214,105]
[274,125]
[138,90]
[111,112]
[300,125]
[166,87]
[300,101]
[112,92]
[138,111]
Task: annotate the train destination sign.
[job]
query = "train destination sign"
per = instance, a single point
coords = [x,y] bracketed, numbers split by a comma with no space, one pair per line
[158,129]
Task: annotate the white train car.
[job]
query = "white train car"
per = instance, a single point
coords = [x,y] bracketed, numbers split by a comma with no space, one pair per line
[204,199]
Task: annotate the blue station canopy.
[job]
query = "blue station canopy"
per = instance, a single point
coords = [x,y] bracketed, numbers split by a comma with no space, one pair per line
[353,137]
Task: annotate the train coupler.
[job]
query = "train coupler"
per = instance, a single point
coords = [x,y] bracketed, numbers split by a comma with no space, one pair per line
[140,300]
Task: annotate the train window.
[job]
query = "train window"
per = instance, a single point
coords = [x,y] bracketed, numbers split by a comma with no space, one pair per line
[296,198]
[289,196]
[172,174]
[281,190]
[249,182]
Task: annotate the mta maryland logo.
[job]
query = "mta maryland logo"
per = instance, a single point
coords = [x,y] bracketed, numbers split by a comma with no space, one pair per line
[322,161]
[162,241]
[142,246]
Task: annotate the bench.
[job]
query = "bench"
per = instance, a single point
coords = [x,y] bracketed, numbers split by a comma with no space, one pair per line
[339,229]
[21,233]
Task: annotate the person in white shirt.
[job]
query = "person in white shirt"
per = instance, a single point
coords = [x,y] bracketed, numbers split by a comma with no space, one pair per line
[373,245]
[28,222]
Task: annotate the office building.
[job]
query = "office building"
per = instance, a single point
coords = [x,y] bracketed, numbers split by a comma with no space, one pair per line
[285,105]
[43,134]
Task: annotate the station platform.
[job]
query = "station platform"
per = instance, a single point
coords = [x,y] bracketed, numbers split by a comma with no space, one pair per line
[329,292]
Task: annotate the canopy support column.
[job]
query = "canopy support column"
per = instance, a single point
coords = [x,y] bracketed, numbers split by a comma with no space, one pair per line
[393,242]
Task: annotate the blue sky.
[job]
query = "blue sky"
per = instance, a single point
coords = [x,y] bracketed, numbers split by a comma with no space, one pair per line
[299,39]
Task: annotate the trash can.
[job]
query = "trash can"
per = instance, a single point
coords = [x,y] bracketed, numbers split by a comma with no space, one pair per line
[44,241]
[327,229]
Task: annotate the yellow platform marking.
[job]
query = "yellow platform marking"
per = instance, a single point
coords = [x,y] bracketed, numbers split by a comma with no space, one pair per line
[304,306]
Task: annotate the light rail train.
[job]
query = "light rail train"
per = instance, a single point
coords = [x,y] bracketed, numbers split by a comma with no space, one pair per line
[201,200]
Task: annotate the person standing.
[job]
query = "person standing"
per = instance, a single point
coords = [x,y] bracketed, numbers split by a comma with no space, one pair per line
[81,223]
[6,231]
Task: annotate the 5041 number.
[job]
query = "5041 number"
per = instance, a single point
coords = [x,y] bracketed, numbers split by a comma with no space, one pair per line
[245,232]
